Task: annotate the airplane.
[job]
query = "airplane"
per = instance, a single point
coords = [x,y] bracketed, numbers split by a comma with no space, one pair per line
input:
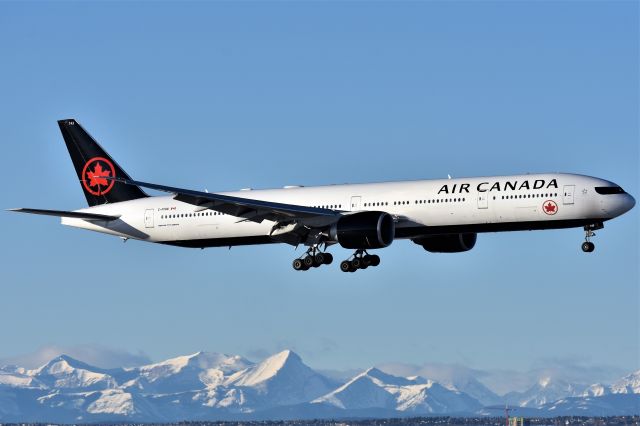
[441,215]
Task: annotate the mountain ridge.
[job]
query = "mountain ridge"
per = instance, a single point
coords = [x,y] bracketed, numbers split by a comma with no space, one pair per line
[215,386]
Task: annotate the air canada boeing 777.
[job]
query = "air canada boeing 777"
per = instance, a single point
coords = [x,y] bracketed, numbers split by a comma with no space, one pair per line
[442,216]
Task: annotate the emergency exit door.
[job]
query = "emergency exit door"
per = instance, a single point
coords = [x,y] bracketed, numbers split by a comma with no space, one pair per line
[567,196]
[148,218]
[483,200]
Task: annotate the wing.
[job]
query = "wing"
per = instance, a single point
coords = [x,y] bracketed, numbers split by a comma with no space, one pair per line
[246,208]
[62,213]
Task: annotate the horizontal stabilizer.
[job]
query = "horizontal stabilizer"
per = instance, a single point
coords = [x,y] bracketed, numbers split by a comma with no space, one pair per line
[62,213]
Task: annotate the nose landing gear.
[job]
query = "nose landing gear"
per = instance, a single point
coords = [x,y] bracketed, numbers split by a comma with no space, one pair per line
[588,246]
[313,258]
[361,260]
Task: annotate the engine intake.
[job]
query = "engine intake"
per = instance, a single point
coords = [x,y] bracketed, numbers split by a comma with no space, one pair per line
[364,230]
[447,243]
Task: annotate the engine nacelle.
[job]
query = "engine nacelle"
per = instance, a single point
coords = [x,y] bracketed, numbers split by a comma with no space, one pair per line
[364,230]
[447,243]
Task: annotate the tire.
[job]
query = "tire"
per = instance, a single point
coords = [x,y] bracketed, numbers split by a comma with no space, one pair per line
[308,261]
[375,260]
[592,247]
[345,266]
[586,247]
[356,263]
[298,265]
[328,258]
[319,259]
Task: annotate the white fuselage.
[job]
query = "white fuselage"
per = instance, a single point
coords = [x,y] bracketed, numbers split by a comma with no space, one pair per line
[424,207]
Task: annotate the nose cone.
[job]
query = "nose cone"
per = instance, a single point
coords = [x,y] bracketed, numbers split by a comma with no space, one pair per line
[629,203]
[623,204]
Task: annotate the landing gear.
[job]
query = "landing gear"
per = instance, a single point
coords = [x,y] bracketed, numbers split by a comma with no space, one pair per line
[313,258]
[361,260]
[588,246]
[321,258]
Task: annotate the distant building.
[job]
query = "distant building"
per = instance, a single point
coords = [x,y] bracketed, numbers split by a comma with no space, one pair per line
[519,421]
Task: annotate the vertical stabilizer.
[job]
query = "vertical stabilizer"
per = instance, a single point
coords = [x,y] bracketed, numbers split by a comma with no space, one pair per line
[92,164]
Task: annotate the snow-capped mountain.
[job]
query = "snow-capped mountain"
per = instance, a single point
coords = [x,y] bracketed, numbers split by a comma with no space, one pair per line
[475,389]
[65,372]
[211,386]
[13,376]
[597,389]
[546,390]
[451,376]
[375,389]
[282,379]
[548,393]
[628,384]
[184,373]
[621,404]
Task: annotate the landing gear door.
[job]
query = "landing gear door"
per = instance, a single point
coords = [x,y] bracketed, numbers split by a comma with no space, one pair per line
[567,197]
[148,218]
[483,200]
[355,203]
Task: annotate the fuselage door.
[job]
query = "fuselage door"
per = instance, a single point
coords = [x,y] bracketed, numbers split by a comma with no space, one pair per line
[483,200]
[355,203]
[148,218]
[567,197]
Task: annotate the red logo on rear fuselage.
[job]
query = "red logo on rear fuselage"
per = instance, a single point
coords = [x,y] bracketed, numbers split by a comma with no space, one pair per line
[93,176]
[550,207]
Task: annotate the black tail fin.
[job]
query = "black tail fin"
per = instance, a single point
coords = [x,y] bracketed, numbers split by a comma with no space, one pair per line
[92,163]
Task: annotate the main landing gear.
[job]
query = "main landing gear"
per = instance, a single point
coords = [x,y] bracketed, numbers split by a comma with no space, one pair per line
[361,260]
[588,246]
[313,258]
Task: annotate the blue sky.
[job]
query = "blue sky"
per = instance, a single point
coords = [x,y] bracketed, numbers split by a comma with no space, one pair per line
[231,95]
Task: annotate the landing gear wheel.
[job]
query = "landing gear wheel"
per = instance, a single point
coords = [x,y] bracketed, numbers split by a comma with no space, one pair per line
[588,247]
[308,261]
[360,260]
[298,265]
[356,263]
[313,258]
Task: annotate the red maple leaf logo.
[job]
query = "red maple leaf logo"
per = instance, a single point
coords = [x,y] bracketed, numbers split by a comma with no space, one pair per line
[96,176]
[102,168]
[550,207]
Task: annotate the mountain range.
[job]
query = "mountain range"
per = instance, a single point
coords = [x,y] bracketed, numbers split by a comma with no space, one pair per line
[212,386]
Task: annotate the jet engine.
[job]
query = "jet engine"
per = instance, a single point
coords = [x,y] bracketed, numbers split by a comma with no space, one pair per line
[364,230]
[447,243]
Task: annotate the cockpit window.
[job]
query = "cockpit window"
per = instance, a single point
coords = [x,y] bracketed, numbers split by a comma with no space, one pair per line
[608,190]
